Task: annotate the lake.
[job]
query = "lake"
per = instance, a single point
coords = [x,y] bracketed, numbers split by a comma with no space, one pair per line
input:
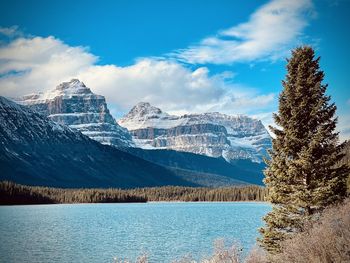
[100,232]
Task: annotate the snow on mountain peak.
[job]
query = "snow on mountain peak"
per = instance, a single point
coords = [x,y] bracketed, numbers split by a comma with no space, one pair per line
[142,109]
[72,103]
[73,86]
[213,134]
[66,90]
[144,115]
[69,89]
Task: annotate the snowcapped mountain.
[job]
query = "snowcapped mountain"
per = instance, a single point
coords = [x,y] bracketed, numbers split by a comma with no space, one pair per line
[73,104]
[21,126]
[212,134]
[145,126]
[35,150]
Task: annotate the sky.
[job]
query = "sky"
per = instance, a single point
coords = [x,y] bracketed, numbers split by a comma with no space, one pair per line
[182,56]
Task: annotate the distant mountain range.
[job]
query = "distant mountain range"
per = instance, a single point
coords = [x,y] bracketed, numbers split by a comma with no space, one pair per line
[145,126]
[211,134]
[154,147]
[34,150]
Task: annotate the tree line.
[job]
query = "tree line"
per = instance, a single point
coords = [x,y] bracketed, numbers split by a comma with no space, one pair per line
[202,194]
[12,193]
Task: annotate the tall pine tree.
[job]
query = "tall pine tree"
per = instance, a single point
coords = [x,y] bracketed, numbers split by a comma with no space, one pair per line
[302,176]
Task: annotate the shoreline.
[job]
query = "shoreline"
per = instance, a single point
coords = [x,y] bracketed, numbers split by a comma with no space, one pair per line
[150,202]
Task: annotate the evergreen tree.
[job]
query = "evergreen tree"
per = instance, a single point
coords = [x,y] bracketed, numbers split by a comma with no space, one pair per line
[302,176]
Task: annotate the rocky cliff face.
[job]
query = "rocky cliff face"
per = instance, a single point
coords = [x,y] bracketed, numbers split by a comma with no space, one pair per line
[211,134]
[74,104]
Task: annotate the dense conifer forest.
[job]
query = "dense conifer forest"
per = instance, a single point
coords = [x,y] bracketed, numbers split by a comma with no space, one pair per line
[12,193]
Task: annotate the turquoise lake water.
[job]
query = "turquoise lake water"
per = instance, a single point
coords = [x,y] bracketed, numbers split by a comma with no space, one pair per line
[99,232]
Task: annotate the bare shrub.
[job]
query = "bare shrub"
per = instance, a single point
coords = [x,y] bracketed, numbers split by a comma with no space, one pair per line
[327,240]
[256,255]
[223,254]
[143,258]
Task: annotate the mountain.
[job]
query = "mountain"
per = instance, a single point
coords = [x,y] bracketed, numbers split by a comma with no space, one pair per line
[205,170]
[34,150]
[145,126]
[211,134]
[182,144]
[73,104]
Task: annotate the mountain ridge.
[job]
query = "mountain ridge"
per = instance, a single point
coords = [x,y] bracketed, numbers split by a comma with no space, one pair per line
[213,134]
[223,139]
[145,126]
[35,150]
[239,171]
[75,105]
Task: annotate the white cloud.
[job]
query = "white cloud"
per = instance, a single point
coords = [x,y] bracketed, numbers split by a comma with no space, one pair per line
[36,64]
[10,31]
[344,127]
[270,32]
[32,64]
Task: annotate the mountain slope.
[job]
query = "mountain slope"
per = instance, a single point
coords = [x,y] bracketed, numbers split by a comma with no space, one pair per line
[73,104]
[34,150]
[205,170]
[212,134]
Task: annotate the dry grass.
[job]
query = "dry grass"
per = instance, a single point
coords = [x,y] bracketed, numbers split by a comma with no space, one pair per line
[328,240]
[223,254]
[256,255]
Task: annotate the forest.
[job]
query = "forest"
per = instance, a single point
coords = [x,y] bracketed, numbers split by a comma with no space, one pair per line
[12,193]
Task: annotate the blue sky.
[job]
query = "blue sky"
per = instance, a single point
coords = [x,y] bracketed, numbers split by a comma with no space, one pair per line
[183,56]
